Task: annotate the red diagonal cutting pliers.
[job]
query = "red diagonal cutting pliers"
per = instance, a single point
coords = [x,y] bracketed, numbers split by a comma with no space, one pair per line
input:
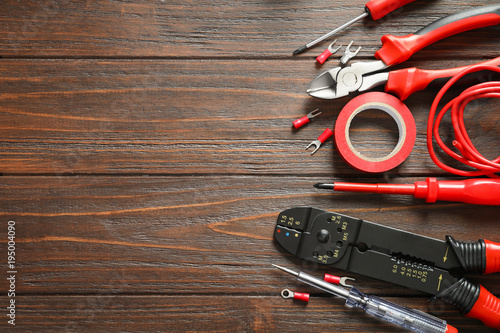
[339,82]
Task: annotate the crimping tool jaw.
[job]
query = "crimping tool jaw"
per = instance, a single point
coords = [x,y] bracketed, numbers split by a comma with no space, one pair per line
[315,235]
[339,82]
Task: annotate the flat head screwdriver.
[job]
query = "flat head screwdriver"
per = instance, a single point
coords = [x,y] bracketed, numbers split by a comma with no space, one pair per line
[411,319]
[376,9]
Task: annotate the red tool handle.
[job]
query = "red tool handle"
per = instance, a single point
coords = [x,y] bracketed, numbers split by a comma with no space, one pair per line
[398,49]
[474,301]
[380,8]
[477,191]
[492,257]
[486,308]
[405,82]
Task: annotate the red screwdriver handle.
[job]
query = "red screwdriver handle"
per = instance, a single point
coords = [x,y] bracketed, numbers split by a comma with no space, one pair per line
[405,82]
[380,8]
[398,49]
[477,191]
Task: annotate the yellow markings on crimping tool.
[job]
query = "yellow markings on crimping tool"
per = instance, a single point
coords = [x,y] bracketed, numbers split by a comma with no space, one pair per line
[446,254]
[290,220]
[410,272]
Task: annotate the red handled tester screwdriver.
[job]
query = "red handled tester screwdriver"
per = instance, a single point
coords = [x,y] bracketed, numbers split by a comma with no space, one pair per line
[478,191]
[374,8]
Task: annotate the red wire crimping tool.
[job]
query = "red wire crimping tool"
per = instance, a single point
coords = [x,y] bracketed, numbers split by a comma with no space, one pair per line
[361,76]
[396,256]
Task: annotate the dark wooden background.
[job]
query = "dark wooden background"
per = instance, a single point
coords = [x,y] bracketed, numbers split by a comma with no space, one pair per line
[146,150]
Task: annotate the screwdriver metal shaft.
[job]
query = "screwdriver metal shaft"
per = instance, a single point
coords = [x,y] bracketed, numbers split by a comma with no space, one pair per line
[331,33]
[374,8]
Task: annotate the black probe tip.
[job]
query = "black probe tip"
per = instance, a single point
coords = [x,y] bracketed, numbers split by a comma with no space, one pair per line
[325,186]
[300,50]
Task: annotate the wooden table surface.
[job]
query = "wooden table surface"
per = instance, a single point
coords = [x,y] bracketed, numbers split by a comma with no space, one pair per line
[146,150]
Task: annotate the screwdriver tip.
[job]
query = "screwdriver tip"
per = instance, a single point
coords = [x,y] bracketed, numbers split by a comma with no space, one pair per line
[289,271]
[324,186]
[300,50]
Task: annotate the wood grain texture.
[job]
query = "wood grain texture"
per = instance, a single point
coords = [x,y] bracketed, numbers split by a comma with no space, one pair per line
[207,314]
[207,28]
[171,117]
[146,150]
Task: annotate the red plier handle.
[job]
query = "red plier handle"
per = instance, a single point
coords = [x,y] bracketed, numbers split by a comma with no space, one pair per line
[398,49]
[473,300]
[405,82]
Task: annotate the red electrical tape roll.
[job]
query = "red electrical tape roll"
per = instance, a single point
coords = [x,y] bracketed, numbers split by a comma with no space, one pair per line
[390,105]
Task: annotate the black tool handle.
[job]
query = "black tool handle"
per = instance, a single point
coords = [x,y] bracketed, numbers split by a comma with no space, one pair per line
[482,256]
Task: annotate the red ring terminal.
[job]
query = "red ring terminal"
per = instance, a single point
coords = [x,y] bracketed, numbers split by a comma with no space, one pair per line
[304,297]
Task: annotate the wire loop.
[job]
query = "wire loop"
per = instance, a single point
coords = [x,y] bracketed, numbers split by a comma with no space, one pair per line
[469,155]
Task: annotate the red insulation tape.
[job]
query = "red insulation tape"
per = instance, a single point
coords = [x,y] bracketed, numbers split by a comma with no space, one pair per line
[388,104]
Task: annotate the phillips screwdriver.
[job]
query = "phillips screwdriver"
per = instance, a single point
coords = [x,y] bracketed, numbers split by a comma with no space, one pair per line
[411,319]
[478,191]
[374,8]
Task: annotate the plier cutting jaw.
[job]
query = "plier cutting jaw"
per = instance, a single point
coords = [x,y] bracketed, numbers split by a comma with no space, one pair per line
[339,82]
[429,265]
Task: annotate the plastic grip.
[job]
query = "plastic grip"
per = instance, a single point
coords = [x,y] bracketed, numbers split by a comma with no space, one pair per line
[331,278]
[300,122]
[477,191]
[398,49]
[327,133]
[492,257]
[323,56]
[486,309]
[304,297]
[380,8]
[405,82]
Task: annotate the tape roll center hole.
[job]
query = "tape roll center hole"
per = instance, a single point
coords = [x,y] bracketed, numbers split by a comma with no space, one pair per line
[373,133]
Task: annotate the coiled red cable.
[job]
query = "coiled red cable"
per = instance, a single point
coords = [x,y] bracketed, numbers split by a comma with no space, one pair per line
[469,155]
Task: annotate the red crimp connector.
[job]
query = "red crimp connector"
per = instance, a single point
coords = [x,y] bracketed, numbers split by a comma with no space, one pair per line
[304,297]
[332,278]
[327,133]
[323,56]
[304,120]
[300,122]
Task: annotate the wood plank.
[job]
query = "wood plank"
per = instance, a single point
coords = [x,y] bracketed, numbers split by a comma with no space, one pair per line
[192,235]
[208,28]
[192,117]
[200,313]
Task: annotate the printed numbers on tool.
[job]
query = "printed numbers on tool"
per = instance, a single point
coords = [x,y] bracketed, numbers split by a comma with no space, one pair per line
[290,220]
[410,272]
[334,219]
